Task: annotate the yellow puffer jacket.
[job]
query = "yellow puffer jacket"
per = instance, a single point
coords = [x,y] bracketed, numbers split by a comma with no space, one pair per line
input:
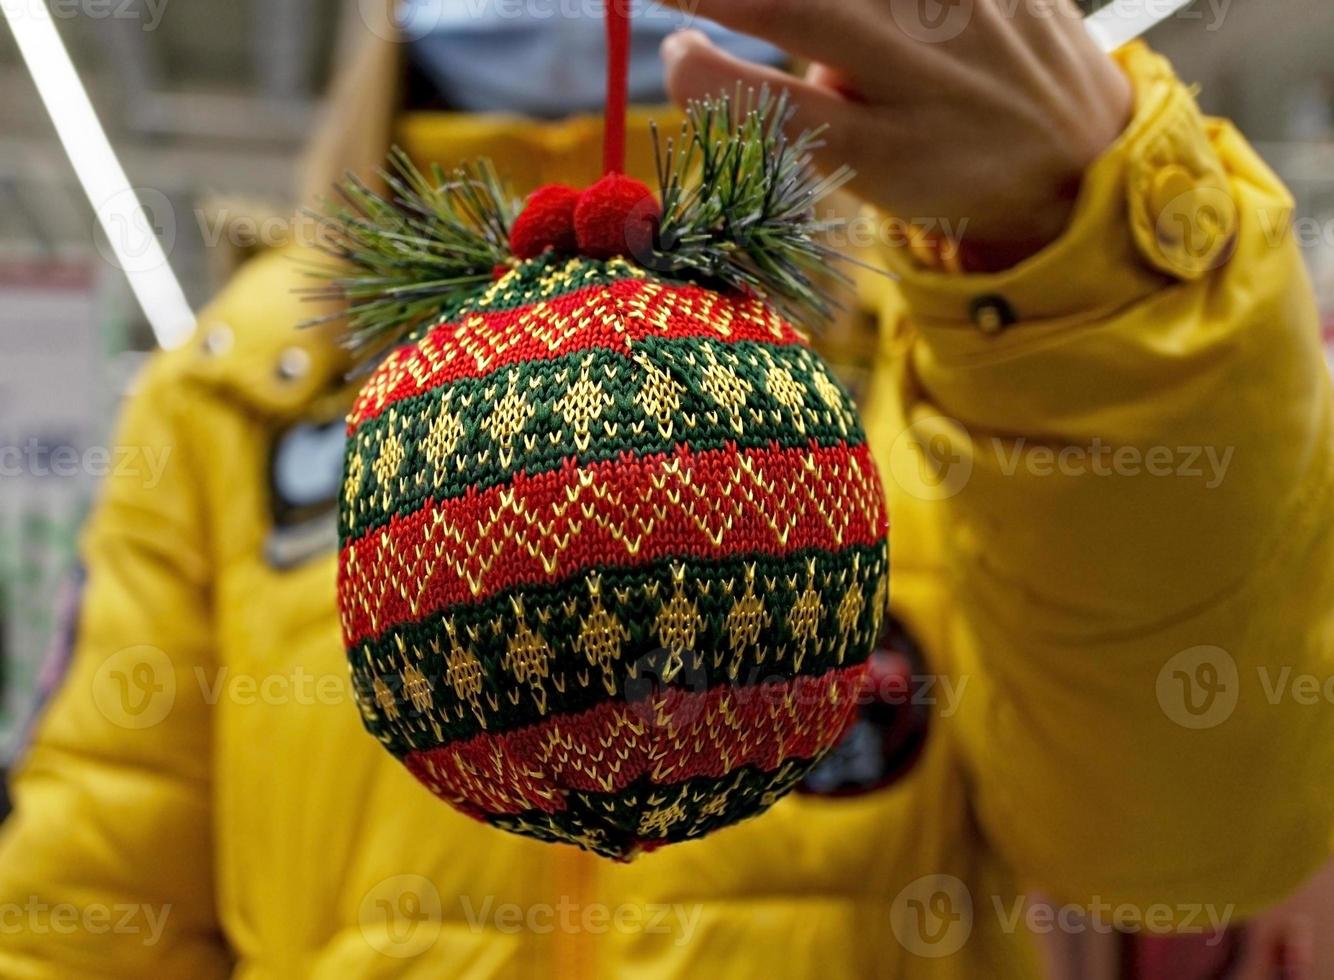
[1111,473]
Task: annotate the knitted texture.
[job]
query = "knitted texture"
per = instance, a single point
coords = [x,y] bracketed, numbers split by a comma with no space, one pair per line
[613,556]
[546,222]
[616,216]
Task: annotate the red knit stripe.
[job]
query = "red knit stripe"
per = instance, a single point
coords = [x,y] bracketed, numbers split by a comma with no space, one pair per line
[672,737]
[542,528]
[611,316]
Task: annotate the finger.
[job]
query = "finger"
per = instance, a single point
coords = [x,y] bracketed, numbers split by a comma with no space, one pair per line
[1296,958]
[1276,947]
[833,80]
[697,69]
[841,32]
[1049,14]
[1055,30]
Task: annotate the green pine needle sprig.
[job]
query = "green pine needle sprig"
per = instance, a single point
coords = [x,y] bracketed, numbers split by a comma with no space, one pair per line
[739,204]
[403,256]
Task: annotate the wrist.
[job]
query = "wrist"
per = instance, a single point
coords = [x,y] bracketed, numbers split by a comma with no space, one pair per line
[1121,240]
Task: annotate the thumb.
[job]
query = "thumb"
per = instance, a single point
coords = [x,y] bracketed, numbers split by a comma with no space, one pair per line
[696,69]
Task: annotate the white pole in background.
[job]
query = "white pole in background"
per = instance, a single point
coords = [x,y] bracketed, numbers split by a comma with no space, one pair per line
[122,216]
[1121,21]
[123,219]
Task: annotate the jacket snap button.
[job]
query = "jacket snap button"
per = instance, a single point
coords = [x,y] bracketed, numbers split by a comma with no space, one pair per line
[218,340]
[293,363]
[1194,218]
[1169,200]
[991,314]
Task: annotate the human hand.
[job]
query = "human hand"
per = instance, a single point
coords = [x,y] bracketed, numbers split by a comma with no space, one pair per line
[982,121]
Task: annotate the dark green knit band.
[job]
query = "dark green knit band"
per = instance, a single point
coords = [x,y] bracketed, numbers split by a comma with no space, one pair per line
[844,632]
[450,445]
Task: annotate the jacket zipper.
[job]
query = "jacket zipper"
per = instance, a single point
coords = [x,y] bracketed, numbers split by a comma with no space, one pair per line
[574,951]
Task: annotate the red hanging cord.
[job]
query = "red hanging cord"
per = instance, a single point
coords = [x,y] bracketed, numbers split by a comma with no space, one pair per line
[618,70]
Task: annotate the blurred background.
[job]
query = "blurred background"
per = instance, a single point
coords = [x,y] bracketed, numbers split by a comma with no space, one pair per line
[208,104]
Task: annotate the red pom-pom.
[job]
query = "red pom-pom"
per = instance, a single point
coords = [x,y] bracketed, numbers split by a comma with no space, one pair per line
[616,216]
[547,222]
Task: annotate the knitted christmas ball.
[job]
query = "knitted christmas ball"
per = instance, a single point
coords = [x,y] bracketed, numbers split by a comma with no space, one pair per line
[613,546]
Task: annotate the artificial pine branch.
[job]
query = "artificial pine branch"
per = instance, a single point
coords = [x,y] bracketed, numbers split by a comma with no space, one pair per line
[738,211]
[738,204]
[405,256]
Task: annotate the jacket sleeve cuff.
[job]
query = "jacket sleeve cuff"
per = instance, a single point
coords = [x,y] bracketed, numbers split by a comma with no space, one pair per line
[1154,209]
